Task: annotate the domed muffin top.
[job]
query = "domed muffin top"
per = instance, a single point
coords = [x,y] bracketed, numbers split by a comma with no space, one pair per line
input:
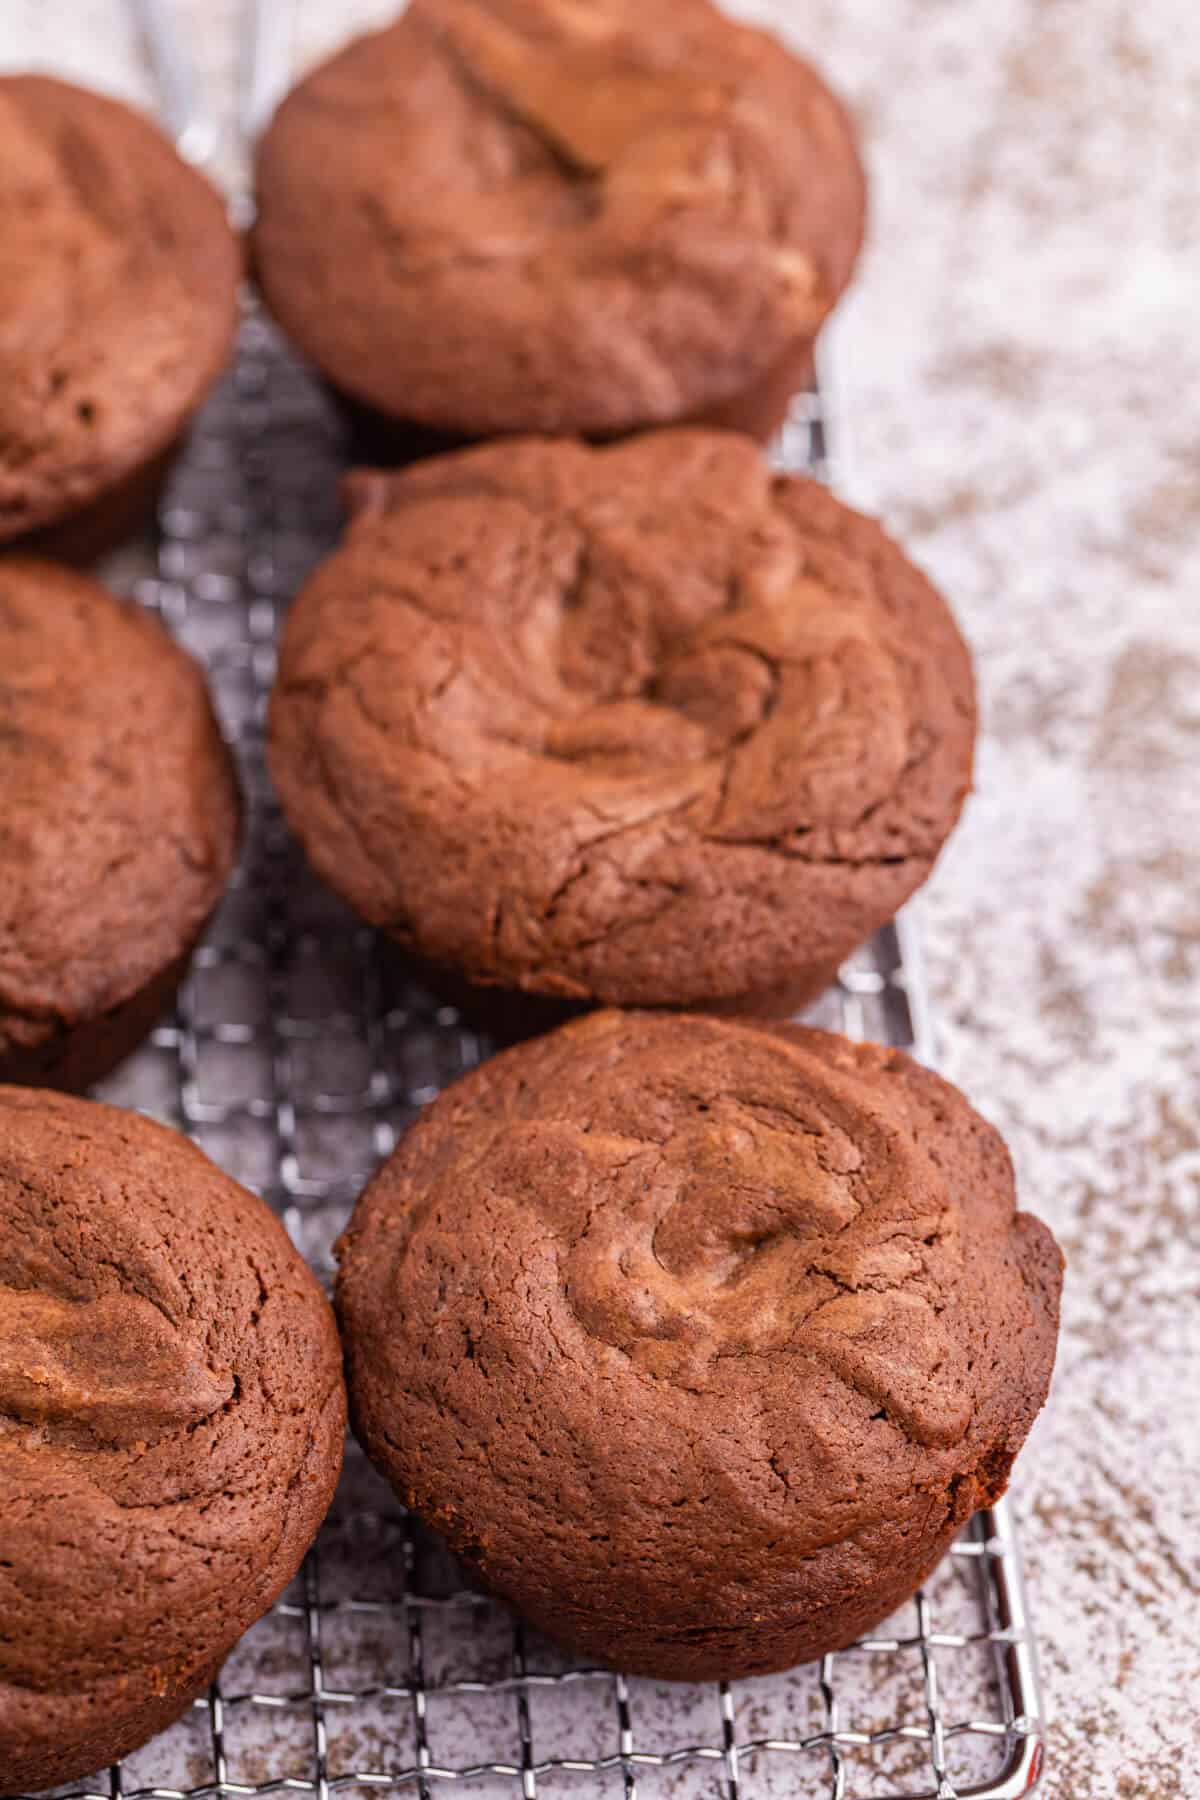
[118,804]
[649,723]
[118,281]
[698,1319]
[171,1417]
[505,215]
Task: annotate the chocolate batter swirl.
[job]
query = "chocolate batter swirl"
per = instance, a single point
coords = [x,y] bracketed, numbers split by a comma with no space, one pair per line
[650,724]
[699,1338]
[171,1419]
[536,215]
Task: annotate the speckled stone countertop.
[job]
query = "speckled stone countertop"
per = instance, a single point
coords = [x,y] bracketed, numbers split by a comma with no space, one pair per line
[1019,378]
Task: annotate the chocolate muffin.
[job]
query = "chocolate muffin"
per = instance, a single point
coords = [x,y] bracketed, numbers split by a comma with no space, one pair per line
[648,724]
[118,823]
[118,283]
[171,1424]
[504,216]
[698,1339]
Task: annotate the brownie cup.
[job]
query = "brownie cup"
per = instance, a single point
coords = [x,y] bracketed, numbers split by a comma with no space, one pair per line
[646,724]
[171,1425]
[698,1339]
[118,823]
[118,285]
[503,216]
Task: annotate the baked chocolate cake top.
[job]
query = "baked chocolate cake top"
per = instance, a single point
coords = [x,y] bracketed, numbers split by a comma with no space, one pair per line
[118,279]
[689,1332]
[118,804]
[171,1419]
[649,723]
[539,215]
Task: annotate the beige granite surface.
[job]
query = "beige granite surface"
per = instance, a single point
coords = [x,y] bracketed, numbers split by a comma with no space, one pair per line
[1019,374]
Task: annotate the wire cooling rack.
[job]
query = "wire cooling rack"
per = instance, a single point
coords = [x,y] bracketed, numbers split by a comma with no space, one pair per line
[299,1051]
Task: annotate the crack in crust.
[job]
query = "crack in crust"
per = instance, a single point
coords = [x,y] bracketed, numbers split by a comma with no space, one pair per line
[743,1314]
[647,724]
[621,216]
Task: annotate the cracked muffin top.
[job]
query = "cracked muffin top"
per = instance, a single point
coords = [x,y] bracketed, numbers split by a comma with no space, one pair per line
[698,1338]
[118,806]
[118,283]
[550,215]
[171,1421]
[649,724]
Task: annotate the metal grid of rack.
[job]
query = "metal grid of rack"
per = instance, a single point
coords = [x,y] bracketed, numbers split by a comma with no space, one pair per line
[300,1049]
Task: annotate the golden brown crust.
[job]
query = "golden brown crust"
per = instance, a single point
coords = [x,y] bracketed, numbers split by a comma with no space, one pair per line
[118,284]
[699,1338]
[171,1421]
[648,724]
[118,821]
[532,215]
